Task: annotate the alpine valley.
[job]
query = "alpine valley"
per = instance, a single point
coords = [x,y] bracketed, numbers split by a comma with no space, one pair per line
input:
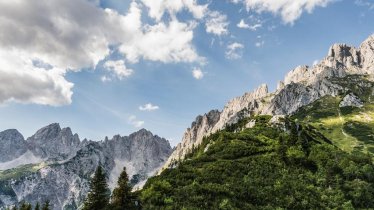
[307,145]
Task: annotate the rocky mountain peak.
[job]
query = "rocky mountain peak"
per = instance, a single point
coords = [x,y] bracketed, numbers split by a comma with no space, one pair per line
[367,54]
[52,142]
[11,134]
[142,133]
[48,132]
[12,145]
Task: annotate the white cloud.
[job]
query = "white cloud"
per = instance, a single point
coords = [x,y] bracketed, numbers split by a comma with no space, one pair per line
[234,51]
[365,3]
[148,107]
[242,24]
[289,10]
[255,26]
[259,43]
[105,78]
[21,81]
[118,68]
[197,73]
[157,8]
[73,34]
[162,42]
[217,23]
[135,122]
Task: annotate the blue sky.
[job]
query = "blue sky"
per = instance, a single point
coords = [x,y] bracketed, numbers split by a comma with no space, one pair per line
[119,73]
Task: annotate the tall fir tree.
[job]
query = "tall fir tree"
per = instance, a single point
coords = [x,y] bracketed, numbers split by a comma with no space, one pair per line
[25,206]
[99,194]
[46,206]
[122,197]
[37,206]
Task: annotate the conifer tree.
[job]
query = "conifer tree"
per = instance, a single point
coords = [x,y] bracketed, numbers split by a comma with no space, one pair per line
[99,194]
[122,196]
[37,206]
[25,206]
[46,206]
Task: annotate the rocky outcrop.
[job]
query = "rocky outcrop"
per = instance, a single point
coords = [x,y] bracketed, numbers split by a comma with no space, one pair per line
[351,100]
[62,175]
[52,142]
[12,145]
[301,86]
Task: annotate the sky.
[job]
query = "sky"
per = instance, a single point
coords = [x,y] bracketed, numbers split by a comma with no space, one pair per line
[107,67]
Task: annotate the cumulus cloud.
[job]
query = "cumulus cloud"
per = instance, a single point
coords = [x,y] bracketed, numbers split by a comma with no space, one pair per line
[118,69]
[197,73]
[21,81]
[148,107]
[242,24]
[157,8]
[217,23]
[289,10]
[135,122]
[234,51]
[73,34]
[164,43]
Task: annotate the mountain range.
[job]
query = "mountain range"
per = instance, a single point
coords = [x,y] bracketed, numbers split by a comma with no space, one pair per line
[55,165]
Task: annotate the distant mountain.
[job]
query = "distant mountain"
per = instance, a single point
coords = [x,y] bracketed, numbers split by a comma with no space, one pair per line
[55,165]
[301,87]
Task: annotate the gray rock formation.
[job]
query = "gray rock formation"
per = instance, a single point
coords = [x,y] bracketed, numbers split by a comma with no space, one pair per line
[301,86]
[52,142]
[12,145]
[66,164]
[351,100]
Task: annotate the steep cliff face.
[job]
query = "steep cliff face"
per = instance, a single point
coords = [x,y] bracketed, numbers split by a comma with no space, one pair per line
[12,145]
[62,165]
[52,142]
[301,86]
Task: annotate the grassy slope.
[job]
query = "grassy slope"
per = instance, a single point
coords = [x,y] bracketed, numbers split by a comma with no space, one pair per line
[264,168]
[350,128]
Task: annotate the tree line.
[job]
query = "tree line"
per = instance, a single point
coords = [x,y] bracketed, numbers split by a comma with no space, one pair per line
[100,198]
[28,206]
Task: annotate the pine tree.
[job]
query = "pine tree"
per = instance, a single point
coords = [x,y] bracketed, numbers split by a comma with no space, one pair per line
[14,208]
[46,206]
[25,206]
[99,194]
[37,206]
[122,196]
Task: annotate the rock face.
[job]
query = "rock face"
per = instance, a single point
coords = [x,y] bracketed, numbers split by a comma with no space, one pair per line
[351,100]
[52,142]
[65,164]
[301,86]
[12,145]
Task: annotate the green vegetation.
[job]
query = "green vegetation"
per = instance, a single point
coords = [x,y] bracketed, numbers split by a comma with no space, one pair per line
[28,206]
[122,197]
[16,173]
[99,194]
[350,128]
[99,198]
[265,168]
